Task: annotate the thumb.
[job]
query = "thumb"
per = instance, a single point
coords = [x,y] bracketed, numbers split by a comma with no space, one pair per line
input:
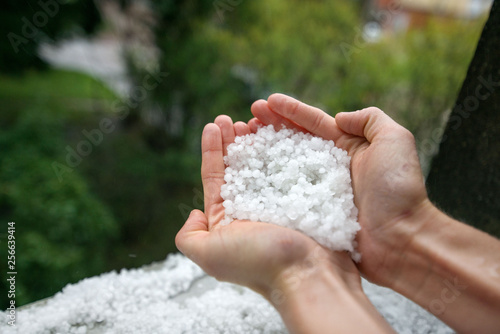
[366,123]
[190,239]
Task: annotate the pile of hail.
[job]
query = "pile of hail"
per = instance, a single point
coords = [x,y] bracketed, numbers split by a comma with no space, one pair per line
[292,179]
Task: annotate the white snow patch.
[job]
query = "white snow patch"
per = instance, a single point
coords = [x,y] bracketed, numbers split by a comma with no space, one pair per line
[177,297]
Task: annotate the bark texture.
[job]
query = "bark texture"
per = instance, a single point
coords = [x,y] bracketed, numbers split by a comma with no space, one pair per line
[464,178]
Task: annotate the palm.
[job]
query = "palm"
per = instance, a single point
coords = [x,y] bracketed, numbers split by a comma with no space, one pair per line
[253,253]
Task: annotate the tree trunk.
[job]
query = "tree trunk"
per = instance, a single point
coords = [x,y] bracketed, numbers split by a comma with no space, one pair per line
[464,178]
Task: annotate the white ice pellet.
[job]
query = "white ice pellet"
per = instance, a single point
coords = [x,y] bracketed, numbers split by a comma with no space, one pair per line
[295,180]
[170,299]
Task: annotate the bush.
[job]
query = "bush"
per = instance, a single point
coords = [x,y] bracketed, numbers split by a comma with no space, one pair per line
[62,230]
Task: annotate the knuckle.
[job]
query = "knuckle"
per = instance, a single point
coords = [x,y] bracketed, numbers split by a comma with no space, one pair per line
[317,121]
[293,107]
[406,134]
[373,110]
[213,175]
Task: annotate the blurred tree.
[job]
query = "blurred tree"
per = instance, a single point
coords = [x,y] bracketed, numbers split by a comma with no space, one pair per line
[464,179]
[62,230]
[220,56]
[199,74]
[28,23]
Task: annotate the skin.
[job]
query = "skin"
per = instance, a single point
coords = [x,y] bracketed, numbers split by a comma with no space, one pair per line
[407,244]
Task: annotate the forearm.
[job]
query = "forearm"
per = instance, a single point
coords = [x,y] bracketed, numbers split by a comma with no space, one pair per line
[321,303]
[452,270]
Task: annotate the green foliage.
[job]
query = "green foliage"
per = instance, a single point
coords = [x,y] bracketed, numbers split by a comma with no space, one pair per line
[62,230]
[53,84]
[296,47]
[200,79]
[415,77]
[143,189]
[121,207]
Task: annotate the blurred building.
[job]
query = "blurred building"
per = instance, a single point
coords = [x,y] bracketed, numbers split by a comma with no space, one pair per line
[401,15]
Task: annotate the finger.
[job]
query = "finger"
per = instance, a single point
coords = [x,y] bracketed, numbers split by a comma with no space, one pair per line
[367,123]
[254,124]
[212,171]
[225,123]
[260,109]
[241,129]
[189,239]
[310,118]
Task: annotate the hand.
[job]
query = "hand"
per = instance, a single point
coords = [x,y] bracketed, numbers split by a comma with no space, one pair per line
[407,244]
[386,176]
[258,255]
[313,288]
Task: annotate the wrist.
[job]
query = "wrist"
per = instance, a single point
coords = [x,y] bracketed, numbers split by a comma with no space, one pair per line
[419,230]
[446,268]
[401,244]
[321,295]
[317,269]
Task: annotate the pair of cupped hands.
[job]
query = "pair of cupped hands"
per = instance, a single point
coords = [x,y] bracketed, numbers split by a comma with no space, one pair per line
[388,189]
